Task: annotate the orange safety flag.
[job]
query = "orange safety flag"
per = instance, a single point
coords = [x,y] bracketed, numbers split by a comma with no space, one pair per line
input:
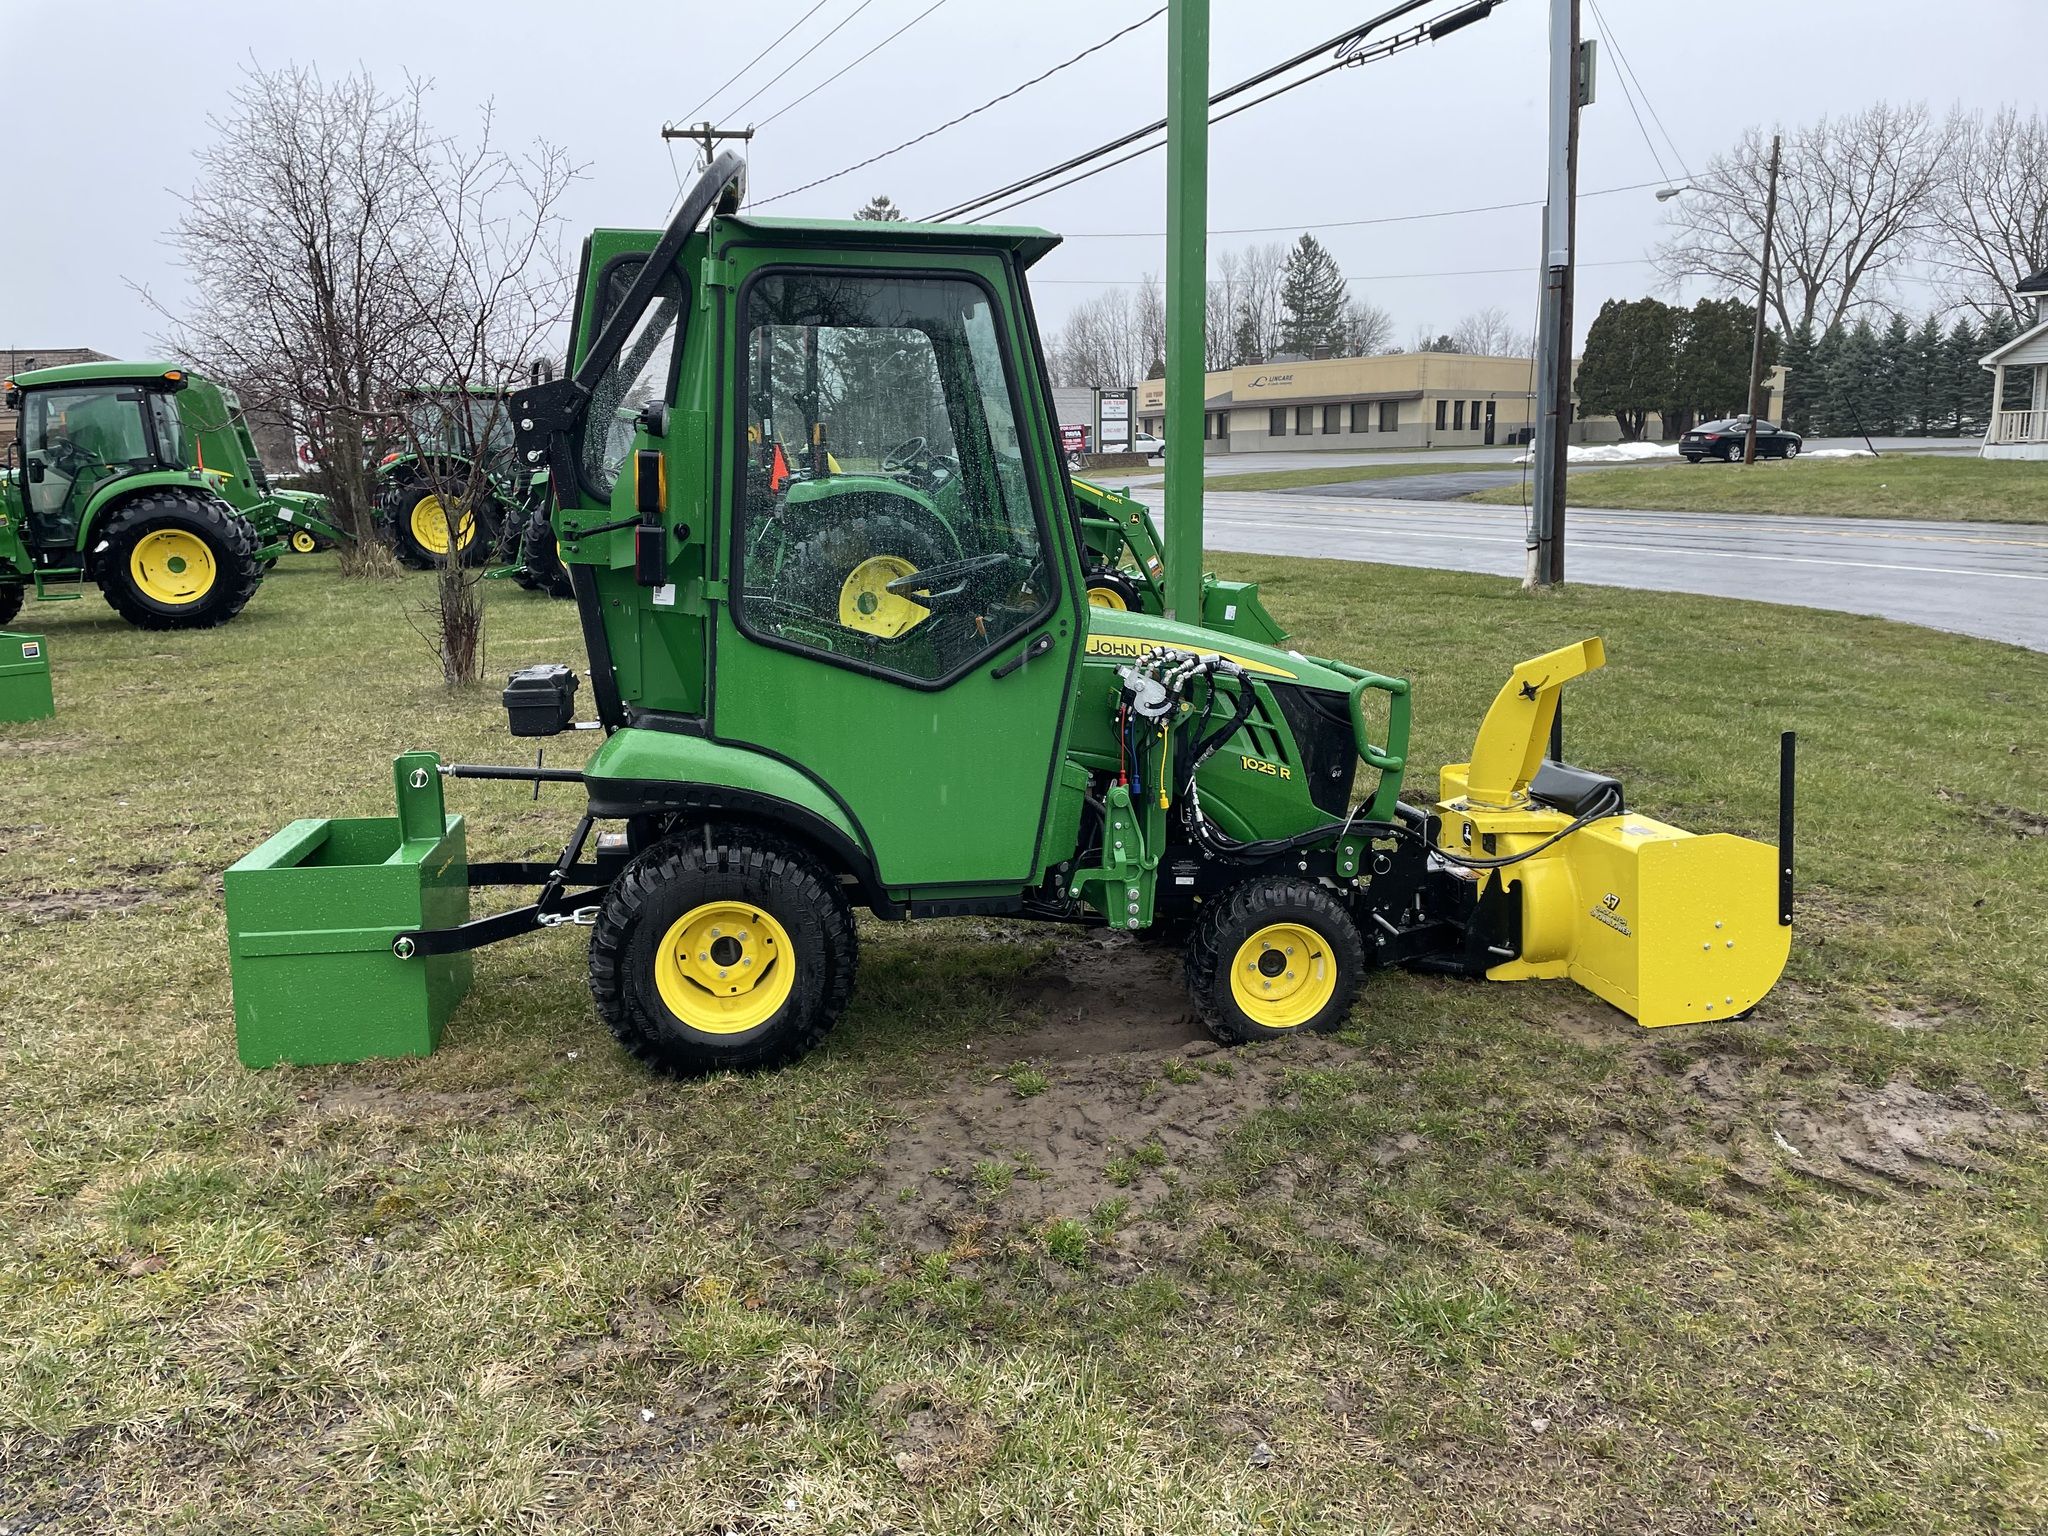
[778,472]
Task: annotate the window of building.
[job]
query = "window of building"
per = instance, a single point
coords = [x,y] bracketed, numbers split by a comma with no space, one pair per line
[1304,420]
[1475,415]
[1333,418]
[1276,421]
[1443,411]
[1457,416]
[1390,415]
[1361,416]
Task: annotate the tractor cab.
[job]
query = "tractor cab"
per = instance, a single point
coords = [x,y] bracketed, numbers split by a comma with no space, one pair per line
[79,434]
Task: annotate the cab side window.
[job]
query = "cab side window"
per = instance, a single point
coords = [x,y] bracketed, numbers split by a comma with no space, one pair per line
[885,517]
[638,377]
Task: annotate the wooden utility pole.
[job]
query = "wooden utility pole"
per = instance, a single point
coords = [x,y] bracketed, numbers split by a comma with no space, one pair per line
[1570,87]
[705,136]
[1763,295]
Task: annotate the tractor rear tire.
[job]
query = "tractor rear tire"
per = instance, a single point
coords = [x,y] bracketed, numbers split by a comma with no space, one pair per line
[824,563]
[416,527]
[540,557]
[1275,956]
[11,594]
[176,560]
[723,949]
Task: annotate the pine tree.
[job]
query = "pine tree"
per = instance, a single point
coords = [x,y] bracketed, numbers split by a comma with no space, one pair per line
[1959,372]
[1856,380]
[880,210]
[1890,384]
[1245,337]
[1795,403]
[1923,377]
[1830,412]
[1312,297]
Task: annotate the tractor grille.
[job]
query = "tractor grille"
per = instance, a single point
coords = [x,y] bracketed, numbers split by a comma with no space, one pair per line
[1321,723]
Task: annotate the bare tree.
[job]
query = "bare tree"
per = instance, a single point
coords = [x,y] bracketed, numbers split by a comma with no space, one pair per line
[1367,329]
[1113,339]
[1990,208]
[339,252]
[1855,198]
[487,312]
[1489,333]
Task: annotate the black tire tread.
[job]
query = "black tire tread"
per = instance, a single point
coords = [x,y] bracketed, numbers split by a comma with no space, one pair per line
[747,860]
[541,560]
[1245,908]
[12,594]
[234,542]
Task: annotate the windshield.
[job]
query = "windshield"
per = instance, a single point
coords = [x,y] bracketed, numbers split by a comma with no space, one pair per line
[636,378]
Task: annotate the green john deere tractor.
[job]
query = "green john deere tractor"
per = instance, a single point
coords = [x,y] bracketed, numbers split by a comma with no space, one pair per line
[453,486]
[856,640]
[109,481]
[218,442]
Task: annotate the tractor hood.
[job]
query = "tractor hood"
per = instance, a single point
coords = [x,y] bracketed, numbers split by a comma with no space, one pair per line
[1118,636]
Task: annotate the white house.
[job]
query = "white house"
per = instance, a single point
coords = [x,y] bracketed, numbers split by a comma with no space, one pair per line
[2022,434]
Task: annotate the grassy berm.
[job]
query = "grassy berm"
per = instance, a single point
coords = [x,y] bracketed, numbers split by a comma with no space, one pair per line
[1018,1252]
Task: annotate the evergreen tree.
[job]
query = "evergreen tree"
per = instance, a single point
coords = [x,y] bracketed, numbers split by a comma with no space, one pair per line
[1630,356]
[1959,373]
[1312,298]
[880,210]
[1828,407]
[1713,357]
[1999,328]
[1923,377]
[1245,338]
[1796,402]
[1891,383]
[1858,369]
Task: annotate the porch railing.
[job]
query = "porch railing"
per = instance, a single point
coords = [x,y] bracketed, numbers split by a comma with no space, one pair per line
[2020,427]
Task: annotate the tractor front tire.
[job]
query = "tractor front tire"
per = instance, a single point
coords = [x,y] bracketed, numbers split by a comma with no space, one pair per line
[11,594]
[419,528]
[540,557]
[722,950]
[175,560]
[1275,956]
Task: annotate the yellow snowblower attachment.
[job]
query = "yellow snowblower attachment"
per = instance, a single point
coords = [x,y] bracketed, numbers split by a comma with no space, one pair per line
[1668,926]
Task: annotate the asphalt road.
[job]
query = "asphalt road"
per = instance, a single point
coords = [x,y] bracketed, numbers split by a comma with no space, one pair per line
[1986,579]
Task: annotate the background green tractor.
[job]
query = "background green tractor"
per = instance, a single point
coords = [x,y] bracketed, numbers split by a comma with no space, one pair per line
[451,486]
[104,485]
[218,443]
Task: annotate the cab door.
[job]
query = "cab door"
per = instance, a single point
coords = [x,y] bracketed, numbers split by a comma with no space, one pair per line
[903,616]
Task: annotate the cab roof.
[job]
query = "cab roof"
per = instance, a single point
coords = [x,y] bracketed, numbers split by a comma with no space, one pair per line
[1027,242]
[103,373]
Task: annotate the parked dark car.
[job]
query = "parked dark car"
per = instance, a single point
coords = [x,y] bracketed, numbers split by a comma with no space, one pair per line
[1723,440]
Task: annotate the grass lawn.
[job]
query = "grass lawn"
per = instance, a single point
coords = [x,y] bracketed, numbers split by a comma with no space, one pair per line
[1949,488]
[1016,1252]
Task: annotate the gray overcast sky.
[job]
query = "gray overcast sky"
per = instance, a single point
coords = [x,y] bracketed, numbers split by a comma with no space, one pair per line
[111,102]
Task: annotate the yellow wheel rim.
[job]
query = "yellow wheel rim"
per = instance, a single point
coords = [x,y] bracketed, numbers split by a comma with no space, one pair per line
[303,542]
[1107,597]
[866,603]
[1283,976]
[172,566]
[725,967]
[430,525]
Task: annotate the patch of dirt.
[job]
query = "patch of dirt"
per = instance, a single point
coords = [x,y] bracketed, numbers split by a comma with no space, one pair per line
[50,745]
[1865,1139]
[936,1440]
[38,907]
[2017,820]
[1133,1094]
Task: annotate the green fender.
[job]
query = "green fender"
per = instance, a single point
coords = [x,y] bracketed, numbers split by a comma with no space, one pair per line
[638,768]
[124,486]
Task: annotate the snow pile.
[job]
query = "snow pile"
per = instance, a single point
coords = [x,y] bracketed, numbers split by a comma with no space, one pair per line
[1838,453]
[1613,453]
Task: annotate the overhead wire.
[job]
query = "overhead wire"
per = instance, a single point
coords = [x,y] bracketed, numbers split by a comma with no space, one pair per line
[1366,277]
[964,116]
[1391,218]
[1346,45]
[757,58]
[1629,96]
[1642,90]
[821,42]
[843,69]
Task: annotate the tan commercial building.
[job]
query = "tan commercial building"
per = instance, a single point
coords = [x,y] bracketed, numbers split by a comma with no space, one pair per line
[1403,400]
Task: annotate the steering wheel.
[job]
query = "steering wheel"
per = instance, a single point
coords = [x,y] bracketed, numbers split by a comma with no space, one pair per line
[906,454]
[65,456]
[946,583]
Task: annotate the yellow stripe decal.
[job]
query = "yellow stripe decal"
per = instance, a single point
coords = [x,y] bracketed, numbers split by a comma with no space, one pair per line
[1123,648]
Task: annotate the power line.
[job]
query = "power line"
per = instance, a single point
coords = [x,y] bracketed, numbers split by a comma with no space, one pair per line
[1641,89]
[1344,44]
[821,42]
[757,58]
[1368,277]
[1629,96]
[1391,218]
[955,122]
[885,42]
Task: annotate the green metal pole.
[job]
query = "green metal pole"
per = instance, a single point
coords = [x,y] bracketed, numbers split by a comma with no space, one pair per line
[1187,281]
